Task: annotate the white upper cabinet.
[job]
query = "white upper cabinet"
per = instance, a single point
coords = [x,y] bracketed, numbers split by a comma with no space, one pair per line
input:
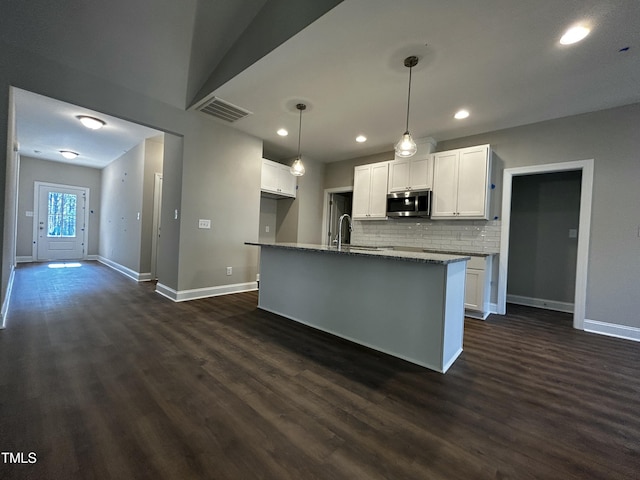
[461,183]
[411,174]
[370,191]
[277,179]
[415,173]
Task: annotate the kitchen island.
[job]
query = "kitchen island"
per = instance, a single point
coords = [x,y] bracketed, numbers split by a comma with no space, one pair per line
[406,304]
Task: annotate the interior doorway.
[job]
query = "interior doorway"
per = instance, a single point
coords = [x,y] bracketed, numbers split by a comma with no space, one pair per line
[543,240]
[583,233]
[338,201]
[60,222]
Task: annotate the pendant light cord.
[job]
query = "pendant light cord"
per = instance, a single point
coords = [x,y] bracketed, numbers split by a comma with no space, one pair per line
[299,132]
[409,99]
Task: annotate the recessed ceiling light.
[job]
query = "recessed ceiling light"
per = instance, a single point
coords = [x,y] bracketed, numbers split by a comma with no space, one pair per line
[91,122]
[282,132]
[460,114]
[68,154]
[574,34]
[361,139]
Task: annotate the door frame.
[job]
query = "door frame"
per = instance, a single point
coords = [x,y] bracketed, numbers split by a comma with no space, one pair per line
[36,212]
[584,230]
[327,209]
[156,226]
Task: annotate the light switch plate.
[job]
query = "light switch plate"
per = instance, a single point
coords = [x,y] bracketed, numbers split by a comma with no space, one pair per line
[204,223]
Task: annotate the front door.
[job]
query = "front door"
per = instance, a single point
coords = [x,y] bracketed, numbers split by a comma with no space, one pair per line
[60,222]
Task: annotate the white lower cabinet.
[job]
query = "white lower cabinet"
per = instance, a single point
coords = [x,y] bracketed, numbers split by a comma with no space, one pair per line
[477,290]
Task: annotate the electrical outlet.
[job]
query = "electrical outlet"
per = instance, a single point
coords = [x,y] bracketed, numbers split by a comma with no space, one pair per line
[266,229]
[229,270]
[204,223]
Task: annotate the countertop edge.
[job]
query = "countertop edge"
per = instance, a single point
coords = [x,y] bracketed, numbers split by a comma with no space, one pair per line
[418,257]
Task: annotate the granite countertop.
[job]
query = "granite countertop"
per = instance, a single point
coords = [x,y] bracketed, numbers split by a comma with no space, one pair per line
[412,255]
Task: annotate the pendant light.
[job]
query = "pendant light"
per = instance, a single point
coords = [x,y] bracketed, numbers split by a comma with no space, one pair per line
[297,168]
[406,147]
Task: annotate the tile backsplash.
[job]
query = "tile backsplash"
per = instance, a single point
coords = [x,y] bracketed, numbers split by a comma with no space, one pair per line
[472,236]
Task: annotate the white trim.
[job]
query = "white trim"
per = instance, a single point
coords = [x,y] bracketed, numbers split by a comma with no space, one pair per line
[7,299]
[93,258]
[612,330]
[196,293]
[541,303]
[138,277]
[584,231]
[24,259]
[325,209]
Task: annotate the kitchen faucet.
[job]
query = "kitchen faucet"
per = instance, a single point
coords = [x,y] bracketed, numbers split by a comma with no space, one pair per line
[339,237]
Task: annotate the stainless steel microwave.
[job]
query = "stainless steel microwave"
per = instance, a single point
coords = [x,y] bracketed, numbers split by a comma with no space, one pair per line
[410,203]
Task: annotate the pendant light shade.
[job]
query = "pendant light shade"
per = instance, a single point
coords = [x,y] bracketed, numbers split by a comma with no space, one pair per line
[297,168]
[406,147]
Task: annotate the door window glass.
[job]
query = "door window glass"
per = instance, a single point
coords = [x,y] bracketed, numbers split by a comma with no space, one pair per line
[62,214]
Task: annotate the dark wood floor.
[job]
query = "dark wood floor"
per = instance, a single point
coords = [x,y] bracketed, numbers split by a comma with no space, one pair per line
[104,379]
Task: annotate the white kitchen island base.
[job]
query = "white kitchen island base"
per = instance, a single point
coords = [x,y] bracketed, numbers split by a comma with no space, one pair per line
[408,306]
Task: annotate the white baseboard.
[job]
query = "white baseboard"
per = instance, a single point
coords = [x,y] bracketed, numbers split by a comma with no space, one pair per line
[540,303]
[29,258]
[184,295]
[493,308]
[7,299]
[612,330]
[138,277]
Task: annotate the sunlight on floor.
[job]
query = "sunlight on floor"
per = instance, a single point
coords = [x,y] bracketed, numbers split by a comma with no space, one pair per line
[64,265]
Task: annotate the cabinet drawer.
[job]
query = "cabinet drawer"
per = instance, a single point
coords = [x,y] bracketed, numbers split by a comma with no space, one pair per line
[477,263]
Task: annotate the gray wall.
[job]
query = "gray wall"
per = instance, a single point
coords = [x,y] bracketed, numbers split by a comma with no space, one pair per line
[167,267]
[268,215]
[221,182]
[121,214]
[32,170]
[610,137]
[542,256]
[153,156]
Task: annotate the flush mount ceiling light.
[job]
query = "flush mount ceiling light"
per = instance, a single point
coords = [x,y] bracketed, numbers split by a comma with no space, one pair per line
[574,35]
[91,122]
[406,147]
[361,139]
[460,114]
[68,154]
[282,132]
[297,168]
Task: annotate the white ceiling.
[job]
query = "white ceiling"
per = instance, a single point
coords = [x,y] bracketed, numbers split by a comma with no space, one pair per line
[45,126]
[500,59]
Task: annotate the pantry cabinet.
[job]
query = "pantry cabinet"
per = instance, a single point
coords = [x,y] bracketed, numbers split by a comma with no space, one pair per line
[276,180]
[370,191]
[461,183]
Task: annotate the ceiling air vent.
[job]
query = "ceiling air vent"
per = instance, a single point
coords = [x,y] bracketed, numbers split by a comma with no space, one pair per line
[223,110]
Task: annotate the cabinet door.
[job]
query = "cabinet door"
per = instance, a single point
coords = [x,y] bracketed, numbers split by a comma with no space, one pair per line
[420,173]
[288,182]
[361,192]
[270,176]
[473,182]
[399,173]
[445,184]
[474,289]
[378,195]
